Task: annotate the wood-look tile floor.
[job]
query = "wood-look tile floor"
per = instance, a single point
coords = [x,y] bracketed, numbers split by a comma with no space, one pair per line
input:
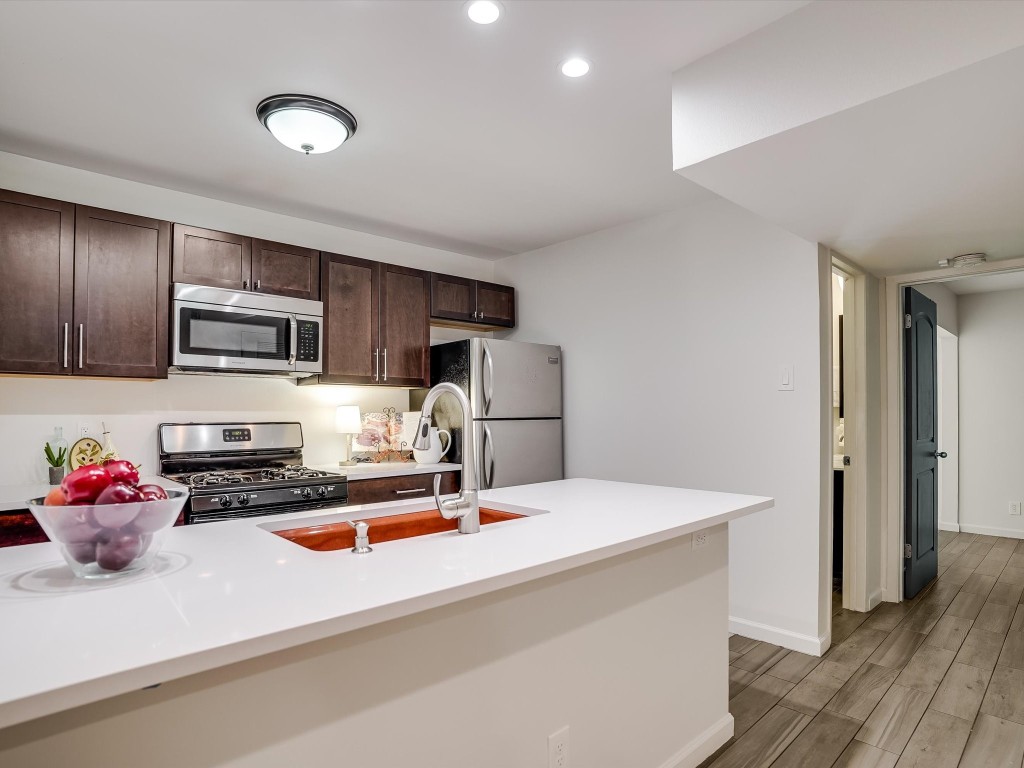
[936,681]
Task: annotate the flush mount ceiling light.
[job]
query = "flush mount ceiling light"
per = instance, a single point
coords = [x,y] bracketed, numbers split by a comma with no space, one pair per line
[575,67]
[483,11]
[306,123]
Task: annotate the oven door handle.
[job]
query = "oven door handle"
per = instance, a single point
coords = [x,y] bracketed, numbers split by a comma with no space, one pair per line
[293,324]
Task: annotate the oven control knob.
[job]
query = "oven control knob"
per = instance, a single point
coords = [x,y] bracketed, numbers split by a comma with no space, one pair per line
[307,493]
[224,501]
[243,499]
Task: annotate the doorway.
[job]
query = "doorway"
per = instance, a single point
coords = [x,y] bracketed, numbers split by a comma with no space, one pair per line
[976,403]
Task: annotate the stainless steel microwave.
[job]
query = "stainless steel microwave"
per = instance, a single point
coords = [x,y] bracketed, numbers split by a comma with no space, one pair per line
[240,332]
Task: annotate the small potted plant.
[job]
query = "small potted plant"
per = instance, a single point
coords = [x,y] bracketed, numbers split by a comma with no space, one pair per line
[56,462]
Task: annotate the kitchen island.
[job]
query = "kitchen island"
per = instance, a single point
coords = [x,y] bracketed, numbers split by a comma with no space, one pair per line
[448,650]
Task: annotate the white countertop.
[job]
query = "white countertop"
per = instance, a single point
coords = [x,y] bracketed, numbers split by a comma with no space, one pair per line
[369,471]
[228,591]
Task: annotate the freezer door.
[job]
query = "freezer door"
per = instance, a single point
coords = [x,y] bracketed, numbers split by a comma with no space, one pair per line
[519,451]
[513,380]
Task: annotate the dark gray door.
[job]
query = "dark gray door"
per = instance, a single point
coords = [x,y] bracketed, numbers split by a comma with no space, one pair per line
[921,560]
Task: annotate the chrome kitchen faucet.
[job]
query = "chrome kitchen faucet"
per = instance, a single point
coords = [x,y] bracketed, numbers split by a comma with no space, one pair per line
[465,507]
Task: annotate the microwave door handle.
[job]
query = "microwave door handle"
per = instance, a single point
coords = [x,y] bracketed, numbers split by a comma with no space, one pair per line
[293,325]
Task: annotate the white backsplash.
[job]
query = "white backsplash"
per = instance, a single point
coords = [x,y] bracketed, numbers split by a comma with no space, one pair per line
[31,407]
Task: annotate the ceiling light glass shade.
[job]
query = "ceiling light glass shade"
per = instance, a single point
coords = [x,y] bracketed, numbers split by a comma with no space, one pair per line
[575,67]
[483,11]
[306,123]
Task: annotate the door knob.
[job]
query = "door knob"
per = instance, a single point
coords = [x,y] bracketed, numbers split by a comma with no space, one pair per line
[940,455]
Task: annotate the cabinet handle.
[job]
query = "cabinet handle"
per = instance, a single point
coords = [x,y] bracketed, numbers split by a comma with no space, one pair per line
[258,284]
[81,346]
[376,360]
[385,363]
[65,345]
[412,490]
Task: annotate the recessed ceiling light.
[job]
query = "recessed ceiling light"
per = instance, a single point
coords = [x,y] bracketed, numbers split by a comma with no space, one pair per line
[306,123]
[483,11]
[575,67]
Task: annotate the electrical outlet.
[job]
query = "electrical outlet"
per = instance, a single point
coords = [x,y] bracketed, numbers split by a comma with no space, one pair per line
[84,430]
[699,539]
[558,748]
[1015,508]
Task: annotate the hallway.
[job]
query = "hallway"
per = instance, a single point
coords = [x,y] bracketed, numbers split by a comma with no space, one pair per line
[936,681]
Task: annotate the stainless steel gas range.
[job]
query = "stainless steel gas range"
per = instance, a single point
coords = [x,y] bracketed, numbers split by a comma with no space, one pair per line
[244,470]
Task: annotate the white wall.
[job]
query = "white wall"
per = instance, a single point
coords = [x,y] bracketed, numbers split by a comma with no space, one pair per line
[991,411]
[946,303]
[630,653]
[673,329]
[31,407]
[948,396]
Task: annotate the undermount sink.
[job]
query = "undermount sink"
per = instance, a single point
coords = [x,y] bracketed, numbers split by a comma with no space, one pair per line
[340,535]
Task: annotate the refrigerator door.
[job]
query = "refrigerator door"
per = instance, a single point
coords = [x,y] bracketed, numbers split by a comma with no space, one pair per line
[519,451]
[513,380]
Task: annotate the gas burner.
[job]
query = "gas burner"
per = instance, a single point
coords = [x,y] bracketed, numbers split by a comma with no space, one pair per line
[290,473]
[217,478]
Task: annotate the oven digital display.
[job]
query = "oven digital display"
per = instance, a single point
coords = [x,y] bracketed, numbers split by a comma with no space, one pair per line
[237,436]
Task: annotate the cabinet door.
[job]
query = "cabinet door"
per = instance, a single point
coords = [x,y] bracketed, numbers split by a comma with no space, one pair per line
[404,327]
[285,270]
[495,304]
[452,298]
[122,263]
[206,257]
[350,289]
[36,283]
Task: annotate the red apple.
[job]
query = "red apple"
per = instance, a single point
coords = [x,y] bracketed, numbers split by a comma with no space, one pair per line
[122,472]
[152,492]
[84,484]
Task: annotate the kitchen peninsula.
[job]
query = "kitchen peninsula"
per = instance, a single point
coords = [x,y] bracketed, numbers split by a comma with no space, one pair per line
[598,611]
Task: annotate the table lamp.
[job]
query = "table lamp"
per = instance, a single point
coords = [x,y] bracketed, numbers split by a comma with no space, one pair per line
[348,422]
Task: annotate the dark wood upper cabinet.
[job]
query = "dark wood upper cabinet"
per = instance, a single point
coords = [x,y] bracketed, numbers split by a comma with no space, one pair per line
[405,326]
[37,240]
[495,304]
[376,321]
[452,298]
[122,270]
[285,270]
[223,260]
[207,257]
[350,291]
[37,273]
[464,303]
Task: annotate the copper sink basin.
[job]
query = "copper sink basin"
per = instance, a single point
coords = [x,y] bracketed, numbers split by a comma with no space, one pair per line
[326,538]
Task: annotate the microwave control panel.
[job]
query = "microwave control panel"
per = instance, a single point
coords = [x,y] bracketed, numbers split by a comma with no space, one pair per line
[309,342]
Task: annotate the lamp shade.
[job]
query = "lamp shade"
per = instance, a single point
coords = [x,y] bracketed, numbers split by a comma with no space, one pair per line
[347,420]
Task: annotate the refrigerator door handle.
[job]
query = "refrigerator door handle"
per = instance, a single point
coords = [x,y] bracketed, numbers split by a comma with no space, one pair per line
[487,474]
[488,389]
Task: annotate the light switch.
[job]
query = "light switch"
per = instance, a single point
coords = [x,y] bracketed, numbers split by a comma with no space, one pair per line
[786,378]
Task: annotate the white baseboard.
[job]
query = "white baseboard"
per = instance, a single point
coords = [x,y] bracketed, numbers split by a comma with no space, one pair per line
[815,646]
[874,599]
[984,530]
[949,527]
[702,746]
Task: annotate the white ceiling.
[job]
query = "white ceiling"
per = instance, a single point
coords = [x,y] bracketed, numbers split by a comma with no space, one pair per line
[1003,281]
[469,138]
[928,172]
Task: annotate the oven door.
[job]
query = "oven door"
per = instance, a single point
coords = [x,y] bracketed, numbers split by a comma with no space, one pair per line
[215,337]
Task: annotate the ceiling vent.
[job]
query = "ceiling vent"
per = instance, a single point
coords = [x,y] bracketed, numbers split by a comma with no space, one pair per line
[964,260]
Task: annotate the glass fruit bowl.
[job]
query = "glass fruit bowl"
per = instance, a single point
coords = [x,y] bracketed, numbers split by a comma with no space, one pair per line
[101,541]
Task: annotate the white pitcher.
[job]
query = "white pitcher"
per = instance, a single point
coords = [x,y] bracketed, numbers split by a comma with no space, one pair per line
[434,453]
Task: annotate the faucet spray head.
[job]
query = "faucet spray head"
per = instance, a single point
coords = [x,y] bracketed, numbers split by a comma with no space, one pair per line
[422,441]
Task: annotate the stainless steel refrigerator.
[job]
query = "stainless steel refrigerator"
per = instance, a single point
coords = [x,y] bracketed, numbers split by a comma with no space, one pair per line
[515,390]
